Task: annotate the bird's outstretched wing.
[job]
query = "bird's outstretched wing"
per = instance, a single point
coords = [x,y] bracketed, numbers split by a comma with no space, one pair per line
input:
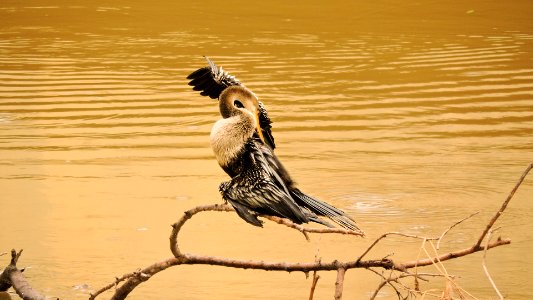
[265,187]
[317,207]
[311,206]
[260,190]
[212,80]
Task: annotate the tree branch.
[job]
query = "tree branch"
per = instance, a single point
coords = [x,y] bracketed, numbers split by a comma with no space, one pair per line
[451,255]
[136,278]
[190,259]
[176,227]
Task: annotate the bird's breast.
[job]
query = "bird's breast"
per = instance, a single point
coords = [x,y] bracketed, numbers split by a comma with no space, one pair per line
[228,139]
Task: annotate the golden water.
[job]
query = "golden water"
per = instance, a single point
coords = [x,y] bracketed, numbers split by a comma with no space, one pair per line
[409,116]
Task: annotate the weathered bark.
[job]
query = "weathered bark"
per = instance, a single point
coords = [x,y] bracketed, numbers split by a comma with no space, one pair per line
[12,276]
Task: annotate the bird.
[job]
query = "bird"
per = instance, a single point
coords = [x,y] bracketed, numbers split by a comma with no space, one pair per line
[243,145]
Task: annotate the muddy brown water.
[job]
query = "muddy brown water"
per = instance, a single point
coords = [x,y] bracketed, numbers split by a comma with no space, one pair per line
[409,116]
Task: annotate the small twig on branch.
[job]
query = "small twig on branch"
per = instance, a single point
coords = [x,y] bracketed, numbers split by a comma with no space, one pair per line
[388,234]
[339,283]
[396,279]
[451,255]
[115,283]
[502,208]
[316,277]
[450,228]
[450,282]
[484,263]
[306,230]
[384,282]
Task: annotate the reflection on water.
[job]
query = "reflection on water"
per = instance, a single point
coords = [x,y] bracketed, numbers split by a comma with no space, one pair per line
[103,145]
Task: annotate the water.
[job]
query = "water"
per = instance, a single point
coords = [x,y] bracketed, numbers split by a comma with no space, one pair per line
[407,116]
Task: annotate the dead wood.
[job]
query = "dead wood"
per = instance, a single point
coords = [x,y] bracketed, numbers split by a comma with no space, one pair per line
[132,280]
[12,277]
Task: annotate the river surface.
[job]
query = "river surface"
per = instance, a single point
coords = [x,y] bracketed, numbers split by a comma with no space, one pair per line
[408,116]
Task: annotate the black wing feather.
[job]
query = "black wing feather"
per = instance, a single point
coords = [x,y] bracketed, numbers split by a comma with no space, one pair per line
[199,73]
[324,209]
[212,80]
[310,205]
[263,186]
[261,190]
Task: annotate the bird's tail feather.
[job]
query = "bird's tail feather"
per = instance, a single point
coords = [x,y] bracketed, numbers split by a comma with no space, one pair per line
[324,209]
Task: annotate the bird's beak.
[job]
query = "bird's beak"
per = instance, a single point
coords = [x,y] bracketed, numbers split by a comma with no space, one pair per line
[259,129]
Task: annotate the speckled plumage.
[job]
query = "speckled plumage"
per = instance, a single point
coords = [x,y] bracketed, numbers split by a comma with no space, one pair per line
[243,145]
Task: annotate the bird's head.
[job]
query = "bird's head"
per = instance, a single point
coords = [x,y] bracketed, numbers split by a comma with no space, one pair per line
[238,100]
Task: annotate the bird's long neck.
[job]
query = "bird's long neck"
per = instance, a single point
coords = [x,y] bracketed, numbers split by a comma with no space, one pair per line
[228,140]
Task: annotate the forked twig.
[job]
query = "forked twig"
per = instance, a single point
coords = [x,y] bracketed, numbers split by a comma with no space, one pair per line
[450,228]
[383,283]
[388,234]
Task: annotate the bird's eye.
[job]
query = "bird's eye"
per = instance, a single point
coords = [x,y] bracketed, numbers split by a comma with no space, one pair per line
[238,104]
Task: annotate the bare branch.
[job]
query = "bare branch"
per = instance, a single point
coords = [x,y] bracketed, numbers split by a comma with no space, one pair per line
[176,227]
[148,272]
[502,208]
[123,291]
[450,255]
[383,283]
[450,228]
[386,235]
[306,230]
[189,259]
[115,283]
[133,280]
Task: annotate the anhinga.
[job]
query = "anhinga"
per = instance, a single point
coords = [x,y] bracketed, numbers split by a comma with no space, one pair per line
[243,145]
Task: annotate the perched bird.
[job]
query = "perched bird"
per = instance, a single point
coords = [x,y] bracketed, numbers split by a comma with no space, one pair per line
[243,145]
